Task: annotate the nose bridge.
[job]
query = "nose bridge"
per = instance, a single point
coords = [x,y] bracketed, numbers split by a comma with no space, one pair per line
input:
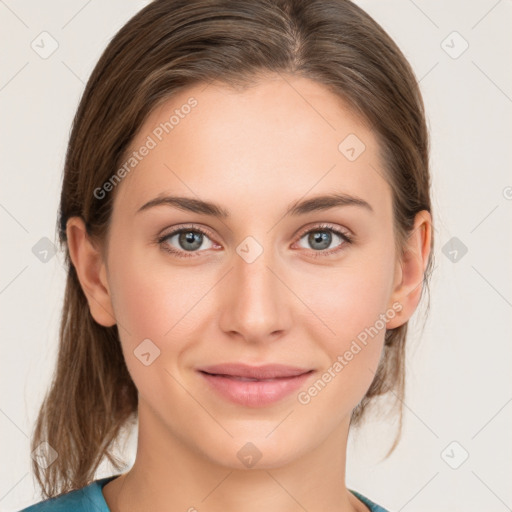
[255,304]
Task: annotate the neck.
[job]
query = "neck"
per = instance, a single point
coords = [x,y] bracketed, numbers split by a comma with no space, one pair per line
[169,475]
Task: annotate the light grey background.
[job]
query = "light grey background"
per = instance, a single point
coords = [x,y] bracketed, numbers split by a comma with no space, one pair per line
[458,377]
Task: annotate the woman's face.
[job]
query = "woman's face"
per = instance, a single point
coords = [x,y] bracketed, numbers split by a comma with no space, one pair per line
[265,283]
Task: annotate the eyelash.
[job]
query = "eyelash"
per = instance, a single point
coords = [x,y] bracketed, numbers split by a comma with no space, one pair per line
[322,253]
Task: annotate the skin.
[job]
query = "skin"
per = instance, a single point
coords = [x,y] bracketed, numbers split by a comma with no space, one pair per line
[253,152]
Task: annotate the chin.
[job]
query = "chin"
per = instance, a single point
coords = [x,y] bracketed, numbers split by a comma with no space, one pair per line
[255,452]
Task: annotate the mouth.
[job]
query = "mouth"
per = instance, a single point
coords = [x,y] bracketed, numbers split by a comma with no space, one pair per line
[244,379]
[254,386]
[244,371]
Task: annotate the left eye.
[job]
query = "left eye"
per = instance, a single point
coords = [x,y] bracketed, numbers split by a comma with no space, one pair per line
[190,240]
[320,238]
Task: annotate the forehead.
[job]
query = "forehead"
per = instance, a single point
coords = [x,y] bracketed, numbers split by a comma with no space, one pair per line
[286,135]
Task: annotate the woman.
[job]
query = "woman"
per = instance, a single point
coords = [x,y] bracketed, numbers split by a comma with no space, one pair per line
[247,221]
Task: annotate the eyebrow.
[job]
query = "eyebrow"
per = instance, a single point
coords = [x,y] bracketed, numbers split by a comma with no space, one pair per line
[318,203]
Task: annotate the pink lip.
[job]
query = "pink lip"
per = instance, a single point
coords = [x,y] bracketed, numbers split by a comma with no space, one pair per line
[273,383]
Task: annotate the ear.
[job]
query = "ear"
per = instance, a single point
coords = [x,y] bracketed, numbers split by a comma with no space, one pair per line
[410,269]
[91,271]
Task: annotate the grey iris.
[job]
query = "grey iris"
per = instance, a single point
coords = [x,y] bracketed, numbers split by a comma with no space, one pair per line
[188,237]
[321,237]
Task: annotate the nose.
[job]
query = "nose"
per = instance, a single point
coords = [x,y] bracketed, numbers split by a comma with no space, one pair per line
[255,301]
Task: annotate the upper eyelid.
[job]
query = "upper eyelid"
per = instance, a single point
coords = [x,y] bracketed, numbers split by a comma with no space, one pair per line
[326,226]
[177,230]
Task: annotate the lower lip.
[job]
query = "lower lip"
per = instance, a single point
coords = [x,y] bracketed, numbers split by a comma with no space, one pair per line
[255,393]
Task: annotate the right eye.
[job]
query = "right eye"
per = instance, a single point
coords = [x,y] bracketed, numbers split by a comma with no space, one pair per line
[188,239]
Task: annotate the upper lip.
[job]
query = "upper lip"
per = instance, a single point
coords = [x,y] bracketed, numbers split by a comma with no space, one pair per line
[268,371]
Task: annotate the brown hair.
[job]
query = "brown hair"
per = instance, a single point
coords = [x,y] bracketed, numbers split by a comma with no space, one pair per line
[167,46]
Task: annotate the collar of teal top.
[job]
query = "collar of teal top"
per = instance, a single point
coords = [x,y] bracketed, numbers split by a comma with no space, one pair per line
[99,500]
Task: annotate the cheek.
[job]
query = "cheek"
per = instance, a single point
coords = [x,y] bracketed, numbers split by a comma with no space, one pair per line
[352,344]
[148,299]
[352,303]
[149,304]
[139,306]
[351,298]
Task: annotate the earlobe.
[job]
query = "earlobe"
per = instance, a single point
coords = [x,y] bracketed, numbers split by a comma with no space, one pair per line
[91,271]
[411,269]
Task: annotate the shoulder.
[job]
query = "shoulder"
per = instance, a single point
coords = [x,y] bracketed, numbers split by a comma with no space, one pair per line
[369,503]
[84,499]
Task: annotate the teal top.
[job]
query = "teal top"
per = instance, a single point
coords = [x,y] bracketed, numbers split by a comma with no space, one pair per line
[90,499]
